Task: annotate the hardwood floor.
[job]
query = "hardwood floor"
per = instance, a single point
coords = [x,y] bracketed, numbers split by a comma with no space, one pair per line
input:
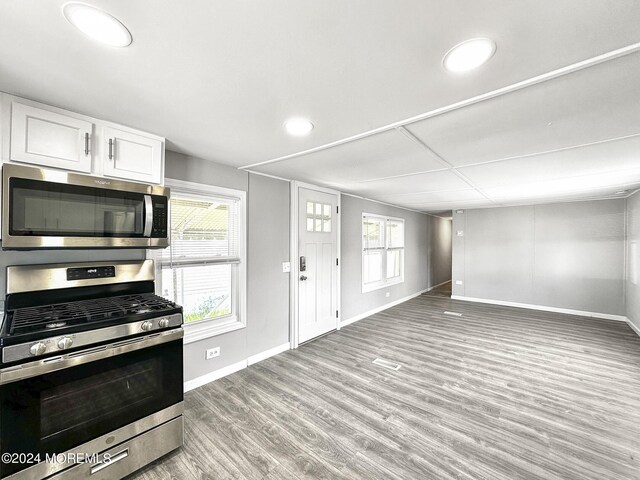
[443,290]
[499,393]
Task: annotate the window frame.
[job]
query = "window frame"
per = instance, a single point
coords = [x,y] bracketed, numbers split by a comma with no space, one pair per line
[211,327]
[384,281]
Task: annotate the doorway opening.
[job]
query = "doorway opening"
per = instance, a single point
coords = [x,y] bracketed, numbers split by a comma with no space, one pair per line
[440,254]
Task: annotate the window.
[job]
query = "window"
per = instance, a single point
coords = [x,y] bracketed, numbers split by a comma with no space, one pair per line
[318,217]
[204,269]
[382,251]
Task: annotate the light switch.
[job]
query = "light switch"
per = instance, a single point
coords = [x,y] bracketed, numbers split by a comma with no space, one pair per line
[459,211]
[460,233]
[286,267]
[458,282]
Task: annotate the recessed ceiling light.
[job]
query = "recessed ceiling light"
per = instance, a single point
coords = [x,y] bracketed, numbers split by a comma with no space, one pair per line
[97,24]
[298,126]
[469,54]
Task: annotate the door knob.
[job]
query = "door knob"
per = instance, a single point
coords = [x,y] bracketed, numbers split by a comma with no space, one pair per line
[303,278]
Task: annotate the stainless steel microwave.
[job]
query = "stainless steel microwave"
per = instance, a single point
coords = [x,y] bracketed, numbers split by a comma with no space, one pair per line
[54,209]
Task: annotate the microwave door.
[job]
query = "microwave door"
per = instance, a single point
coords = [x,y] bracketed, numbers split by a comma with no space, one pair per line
[50,209]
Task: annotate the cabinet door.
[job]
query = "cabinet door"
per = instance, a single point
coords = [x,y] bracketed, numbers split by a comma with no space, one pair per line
[131,156]
[51,139]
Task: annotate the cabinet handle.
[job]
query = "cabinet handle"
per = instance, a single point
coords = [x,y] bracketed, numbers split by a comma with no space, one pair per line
[86,143]
[111,142]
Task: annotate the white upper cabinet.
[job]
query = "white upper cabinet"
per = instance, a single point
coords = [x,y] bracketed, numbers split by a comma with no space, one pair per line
[131,155]
[43,137]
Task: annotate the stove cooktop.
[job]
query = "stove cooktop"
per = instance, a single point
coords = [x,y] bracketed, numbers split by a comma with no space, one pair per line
[35,322]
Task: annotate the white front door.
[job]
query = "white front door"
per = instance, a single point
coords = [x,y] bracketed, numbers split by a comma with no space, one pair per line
[317,263]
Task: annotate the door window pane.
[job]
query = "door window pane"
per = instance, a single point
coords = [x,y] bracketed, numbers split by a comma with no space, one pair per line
[310,217]
[318,217]
[326,218]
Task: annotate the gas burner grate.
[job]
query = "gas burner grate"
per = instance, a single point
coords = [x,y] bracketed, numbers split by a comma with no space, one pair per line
[30,319]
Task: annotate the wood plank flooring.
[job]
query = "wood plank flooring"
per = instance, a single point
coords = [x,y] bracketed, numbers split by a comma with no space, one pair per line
[443,290]
[499,393]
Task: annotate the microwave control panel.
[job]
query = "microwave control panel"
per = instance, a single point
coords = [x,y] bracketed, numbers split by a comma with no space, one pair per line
[160,217]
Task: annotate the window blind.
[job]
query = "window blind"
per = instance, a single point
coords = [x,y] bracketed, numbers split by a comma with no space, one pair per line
[395,233]
[372,232]
[203,231]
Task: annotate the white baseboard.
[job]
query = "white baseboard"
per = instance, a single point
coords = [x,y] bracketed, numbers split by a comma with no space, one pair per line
[215,375]
[383,307]
[607,316]
[234,367]
[258,357]
[633,326]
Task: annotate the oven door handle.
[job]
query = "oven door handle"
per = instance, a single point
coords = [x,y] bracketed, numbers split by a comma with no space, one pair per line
[33,369]
[148,215]
[105,463]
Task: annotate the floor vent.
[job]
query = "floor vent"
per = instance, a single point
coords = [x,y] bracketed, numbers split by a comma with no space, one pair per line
[387,364]
[455,314]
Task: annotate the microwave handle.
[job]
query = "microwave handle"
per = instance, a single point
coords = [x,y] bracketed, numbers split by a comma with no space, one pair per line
[148,215]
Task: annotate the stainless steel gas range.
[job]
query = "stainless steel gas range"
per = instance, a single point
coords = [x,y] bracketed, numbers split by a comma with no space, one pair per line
[91,382]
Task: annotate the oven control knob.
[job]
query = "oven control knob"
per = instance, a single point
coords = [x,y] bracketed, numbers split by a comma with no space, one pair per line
[163,323]
[64,342]
[146,326]
[38,348]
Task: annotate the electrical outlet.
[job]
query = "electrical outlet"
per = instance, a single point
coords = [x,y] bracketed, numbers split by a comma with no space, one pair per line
[212,353]
[286,267]
[387,294]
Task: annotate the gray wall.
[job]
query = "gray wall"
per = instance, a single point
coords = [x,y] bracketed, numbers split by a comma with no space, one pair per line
[416,263]
[267,248]
[268,290]
[439,246]
[633,263]
[566,255]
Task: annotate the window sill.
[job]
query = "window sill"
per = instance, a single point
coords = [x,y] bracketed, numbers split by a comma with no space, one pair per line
[196,332]
[379,286]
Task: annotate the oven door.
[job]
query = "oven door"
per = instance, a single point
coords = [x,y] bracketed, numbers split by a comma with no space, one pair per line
[55,411]
[52,209]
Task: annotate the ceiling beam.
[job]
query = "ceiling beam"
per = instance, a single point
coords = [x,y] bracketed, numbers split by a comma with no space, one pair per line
[590,62]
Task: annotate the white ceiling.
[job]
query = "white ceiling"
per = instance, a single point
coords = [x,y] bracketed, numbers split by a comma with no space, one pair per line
[218,79]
